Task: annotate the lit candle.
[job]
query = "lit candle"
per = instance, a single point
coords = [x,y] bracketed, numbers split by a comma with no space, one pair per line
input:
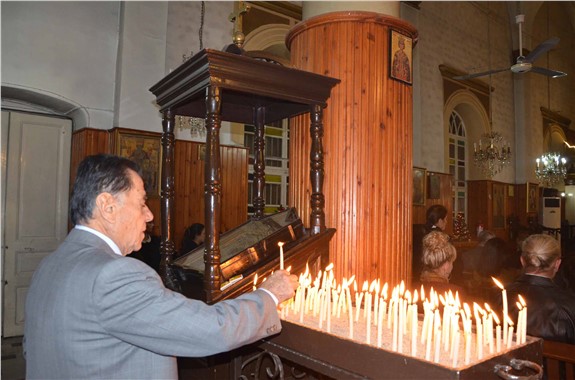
[504,299]
[518,334]
[437,335]
[510,333]
[414,325]
[456,345]
[255,281]
[524,331]
[368,319]
[281,244]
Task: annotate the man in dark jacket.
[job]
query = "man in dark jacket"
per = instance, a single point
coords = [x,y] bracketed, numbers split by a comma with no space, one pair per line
[550,309]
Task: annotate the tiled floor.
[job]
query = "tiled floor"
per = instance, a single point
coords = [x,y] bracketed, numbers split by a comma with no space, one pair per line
[13,364]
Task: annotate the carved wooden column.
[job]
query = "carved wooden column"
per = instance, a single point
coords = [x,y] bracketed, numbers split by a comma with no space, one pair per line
[317,202]
[212,194]
[367,144]
[259,182]
[167,246]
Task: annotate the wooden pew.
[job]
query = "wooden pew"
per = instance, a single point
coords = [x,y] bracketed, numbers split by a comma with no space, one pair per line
[558,360]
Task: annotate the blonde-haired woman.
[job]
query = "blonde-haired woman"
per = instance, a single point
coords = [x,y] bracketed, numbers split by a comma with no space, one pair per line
[437,259]
[551,309]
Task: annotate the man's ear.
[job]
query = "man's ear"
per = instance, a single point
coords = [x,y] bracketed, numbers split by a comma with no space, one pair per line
[106,206]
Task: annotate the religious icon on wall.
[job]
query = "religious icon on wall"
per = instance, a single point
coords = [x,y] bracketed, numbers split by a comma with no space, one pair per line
[401,63]
[145,149]
[532,195]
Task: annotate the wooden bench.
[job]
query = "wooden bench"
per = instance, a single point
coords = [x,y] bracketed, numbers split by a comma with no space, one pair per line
[558,360]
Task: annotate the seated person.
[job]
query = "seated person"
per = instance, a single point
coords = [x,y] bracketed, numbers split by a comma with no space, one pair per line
[436,220]
[550,309]
[150,251]
[438,257]
[471,258]
[194,236]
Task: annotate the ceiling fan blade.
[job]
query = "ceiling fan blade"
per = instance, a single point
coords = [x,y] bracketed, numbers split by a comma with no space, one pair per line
[540,49]
[471,76]
[548,72]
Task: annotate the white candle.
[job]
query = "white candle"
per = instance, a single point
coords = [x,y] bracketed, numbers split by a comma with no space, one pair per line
[504,299]
[524,322]
[467,346]
[350,311]
[281,244]
[368,319]
[437,335]
[456,345]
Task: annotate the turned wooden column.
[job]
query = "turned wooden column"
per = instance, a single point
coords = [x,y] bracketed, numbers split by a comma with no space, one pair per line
[212,194]
[367,143]
[167,246]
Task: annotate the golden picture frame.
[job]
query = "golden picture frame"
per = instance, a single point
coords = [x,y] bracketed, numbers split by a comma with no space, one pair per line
[401,57]
[532,197]
[145,149]
[419,183]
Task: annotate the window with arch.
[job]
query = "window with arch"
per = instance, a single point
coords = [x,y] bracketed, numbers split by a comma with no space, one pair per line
[457,163]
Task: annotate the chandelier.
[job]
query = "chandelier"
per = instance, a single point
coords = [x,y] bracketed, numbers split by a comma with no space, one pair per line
[550,168]
[493,154]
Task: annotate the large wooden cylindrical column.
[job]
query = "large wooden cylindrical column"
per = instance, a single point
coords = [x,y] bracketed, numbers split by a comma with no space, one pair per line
[367,143]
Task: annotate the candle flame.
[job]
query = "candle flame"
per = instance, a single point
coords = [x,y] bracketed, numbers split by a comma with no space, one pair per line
[289,268]
[422,292]
[522,300]
[365,286]
[500,285]
[408,296]
[384,291]
[329,267]
[351,279]
[415,296]
[519,306]
[280,243]
[487,307]
[372,286]
[255,279]
[509,321]
[495,318]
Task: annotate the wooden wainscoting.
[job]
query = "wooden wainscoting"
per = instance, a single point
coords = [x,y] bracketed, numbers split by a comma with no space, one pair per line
[445,199]
[189,184]
[189,179]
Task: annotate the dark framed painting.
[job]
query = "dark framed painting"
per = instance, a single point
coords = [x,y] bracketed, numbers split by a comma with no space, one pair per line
[532,197]
[401,58]
[144,148]
[433,186]
[498,205]
[419,180]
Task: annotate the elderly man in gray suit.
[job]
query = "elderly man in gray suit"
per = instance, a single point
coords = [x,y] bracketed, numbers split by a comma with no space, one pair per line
[93,313]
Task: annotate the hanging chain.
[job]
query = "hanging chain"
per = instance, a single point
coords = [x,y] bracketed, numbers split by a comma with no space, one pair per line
[201,31]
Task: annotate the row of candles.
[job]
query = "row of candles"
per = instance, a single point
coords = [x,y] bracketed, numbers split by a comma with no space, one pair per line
[379,307]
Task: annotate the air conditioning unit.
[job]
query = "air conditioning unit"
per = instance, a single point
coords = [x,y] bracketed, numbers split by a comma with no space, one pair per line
[550,212]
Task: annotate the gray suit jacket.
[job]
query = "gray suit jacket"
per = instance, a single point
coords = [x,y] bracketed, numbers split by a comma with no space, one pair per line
[93,314]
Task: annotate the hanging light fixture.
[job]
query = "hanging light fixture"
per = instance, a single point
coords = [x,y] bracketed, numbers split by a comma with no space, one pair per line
[493,155]
[196,125]
[494,152]
[551,168]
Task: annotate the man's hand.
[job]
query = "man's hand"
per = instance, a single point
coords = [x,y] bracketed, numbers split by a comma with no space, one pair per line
[282,284]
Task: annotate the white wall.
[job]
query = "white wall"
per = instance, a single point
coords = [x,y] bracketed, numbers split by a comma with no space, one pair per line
[67,49]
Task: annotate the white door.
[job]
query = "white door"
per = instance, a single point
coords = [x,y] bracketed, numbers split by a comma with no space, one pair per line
[36,204]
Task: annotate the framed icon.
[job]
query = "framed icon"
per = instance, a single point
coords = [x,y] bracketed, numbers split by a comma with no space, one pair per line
[401,62]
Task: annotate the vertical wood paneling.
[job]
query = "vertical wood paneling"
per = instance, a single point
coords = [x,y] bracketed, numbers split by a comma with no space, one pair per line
[189,184]
[189,175]
[368,138]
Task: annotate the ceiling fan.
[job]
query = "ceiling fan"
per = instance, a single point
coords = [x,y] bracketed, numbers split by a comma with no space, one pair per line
[524,64]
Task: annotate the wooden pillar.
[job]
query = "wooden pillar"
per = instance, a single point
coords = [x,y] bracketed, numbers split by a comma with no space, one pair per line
[259,183]
[212,194]
[167,246]
[367,143]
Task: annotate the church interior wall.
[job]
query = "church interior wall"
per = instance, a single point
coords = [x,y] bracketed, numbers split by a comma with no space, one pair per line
[104,56]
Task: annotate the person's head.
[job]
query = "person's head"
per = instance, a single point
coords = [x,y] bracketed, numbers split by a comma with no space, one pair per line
[484,236]
[436,215]
[541,254]
[109,196]
[401,43]
[196,232]
[438,253]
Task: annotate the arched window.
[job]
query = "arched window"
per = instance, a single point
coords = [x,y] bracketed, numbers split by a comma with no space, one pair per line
[457,166]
